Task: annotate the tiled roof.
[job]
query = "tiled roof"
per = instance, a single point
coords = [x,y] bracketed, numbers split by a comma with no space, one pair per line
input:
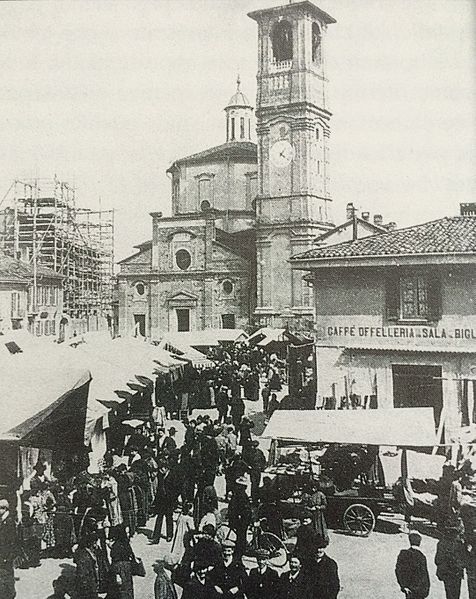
[246,149]
[13,270]
[450,235]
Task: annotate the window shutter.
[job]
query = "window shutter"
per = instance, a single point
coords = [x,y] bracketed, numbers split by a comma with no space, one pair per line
[392,297]
[434,298]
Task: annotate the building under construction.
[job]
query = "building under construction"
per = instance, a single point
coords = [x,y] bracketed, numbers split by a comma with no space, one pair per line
[42,225]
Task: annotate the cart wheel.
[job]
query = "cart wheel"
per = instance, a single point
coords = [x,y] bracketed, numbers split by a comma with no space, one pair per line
[278,554]
[359,519]
[225,533]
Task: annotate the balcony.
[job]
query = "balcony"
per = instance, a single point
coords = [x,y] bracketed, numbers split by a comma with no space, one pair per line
[278,67]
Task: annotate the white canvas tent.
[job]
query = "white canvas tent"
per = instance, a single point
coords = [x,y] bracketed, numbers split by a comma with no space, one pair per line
[32,390]
[404,427]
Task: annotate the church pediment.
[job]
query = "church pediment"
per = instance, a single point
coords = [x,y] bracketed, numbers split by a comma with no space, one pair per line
[182,298]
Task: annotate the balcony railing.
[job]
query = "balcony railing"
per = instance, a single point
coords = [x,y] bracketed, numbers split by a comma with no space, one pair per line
[277,67]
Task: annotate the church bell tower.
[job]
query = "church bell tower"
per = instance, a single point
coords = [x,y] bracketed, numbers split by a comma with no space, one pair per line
[293,205]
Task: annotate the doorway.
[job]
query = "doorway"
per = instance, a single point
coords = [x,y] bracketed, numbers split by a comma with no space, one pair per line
[183,319]
[139,325]
[418,387]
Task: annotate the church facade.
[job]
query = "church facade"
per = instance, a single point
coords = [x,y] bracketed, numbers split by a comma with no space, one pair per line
[240,210]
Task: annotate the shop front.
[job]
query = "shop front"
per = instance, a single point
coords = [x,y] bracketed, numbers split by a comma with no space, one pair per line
[369,366]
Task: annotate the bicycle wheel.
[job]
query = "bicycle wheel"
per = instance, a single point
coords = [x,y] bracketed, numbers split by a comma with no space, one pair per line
[225,533]
[278,554]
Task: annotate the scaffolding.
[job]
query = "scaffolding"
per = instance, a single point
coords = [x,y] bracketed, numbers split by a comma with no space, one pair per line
[42,225]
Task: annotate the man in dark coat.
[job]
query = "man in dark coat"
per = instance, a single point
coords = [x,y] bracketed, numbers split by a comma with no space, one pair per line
[307,542]
[165,502]
[256,461]
[165,445]
[263,581]
[325,583]
[8,551]
[200,586]
[207,550]
[239,513]
[294,584]
[230,575]
[412,571]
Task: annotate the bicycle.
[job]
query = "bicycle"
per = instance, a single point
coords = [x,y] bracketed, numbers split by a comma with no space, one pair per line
[257,538]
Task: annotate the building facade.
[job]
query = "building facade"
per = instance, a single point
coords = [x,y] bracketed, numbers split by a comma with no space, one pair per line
[241,210]
[24,304]
[396,320]
[198,270]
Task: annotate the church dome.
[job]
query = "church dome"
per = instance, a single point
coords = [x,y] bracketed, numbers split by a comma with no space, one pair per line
[238,99]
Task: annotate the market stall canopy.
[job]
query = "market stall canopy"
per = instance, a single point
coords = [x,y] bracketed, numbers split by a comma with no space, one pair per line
[268,336]
[186,352]
[43,403]
[404,427]
[206,338]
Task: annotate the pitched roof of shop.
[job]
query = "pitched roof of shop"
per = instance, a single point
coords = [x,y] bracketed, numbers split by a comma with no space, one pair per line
[449,235]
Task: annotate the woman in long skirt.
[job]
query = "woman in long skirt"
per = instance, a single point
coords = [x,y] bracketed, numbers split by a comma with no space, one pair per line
[185,526]
[316,502]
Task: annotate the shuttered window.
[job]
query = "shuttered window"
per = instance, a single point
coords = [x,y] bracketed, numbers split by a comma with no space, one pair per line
[413,297]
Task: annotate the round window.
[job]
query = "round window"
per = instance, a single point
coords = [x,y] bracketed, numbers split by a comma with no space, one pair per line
[227,287]
[183,259]
[140,288]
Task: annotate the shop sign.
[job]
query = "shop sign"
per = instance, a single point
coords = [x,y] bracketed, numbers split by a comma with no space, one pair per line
[401,332]
[334,333]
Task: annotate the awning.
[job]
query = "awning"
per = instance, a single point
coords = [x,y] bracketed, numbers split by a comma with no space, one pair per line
[43,403]
[206,338]
[404,427]
[267,335]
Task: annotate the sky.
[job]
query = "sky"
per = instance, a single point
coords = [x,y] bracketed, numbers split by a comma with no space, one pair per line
[106,94]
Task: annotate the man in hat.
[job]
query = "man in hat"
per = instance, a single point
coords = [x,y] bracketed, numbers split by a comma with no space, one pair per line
[412,571]
[263,581]
[8,551]
[165,503]
[239,513]
[294,584]
[324,579]
[200,586]
[165,444]
[307,541]
[450,561]
[256,461]
[230,574]
[207,549]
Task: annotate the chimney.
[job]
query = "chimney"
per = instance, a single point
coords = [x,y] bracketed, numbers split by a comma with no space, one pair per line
[378,220]
[350,211]
[391,226]
[468,209]
[366,216]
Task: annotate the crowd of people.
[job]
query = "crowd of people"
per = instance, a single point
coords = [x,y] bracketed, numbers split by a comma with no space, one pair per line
[455,555]
[167,490]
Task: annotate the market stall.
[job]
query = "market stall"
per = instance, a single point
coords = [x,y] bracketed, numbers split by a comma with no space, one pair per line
[353,456]
[44,407]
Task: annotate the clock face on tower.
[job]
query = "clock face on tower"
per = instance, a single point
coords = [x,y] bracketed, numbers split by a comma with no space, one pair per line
[282,153]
